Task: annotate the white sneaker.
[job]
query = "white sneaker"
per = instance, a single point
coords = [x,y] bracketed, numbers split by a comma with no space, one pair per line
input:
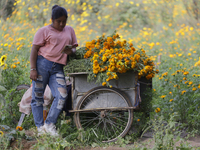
[51,129]
[41,130]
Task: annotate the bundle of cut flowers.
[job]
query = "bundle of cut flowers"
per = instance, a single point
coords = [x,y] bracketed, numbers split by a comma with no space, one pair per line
[106,57]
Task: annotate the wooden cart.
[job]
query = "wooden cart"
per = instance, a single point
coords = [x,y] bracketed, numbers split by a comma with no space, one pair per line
[107,112]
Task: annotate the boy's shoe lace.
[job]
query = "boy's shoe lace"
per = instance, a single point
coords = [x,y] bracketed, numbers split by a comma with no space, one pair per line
[51,129]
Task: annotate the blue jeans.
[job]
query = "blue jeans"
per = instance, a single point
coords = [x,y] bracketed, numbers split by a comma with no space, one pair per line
[50,73]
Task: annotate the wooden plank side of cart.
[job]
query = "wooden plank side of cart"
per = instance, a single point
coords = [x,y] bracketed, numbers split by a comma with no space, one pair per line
[126,83]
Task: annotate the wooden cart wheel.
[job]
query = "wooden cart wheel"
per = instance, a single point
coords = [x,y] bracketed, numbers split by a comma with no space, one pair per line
[107,125]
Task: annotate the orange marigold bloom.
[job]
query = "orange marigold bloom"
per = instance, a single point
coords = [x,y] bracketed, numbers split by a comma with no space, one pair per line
[190,83]
[163,96]
[194,89]
[109,39]
[149,76]
[183,92]
[185,73]
[14,66]
[108,73]
[104,58]
[104,83]
[114,36]
[157,110]
[95,62]
[19,128]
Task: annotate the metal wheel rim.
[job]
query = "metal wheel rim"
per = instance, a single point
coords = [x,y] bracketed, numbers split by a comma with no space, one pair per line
[99,114]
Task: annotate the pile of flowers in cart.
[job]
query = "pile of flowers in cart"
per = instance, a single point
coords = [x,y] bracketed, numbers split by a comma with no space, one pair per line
[108,56]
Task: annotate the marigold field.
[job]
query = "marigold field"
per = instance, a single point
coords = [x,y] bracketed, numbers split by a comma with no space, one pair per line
[165,32]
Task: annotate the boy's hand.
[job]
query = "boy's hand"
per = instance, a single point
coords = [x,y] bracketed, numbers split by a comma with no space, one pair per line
[33,75]
[67,50]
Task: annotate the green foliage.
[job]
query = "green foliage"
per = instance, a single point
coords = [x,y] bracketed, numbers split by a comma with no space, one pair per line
[166,133]
[76,63]
[11,76]
[6,8]
[10,111]
[10,134]
[181,96]
[51,143]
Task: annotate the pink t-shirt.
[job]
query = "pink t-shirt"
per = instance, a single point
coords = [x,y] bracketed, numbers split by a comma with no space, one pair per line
[53,41]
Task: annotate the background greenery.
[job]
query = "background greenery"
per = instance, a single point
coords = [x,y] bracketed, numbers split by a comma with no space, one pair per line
[168,30]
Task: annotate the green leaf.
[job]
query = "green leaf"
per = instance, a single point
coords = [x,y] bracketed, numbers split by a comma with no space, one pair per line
[2,88]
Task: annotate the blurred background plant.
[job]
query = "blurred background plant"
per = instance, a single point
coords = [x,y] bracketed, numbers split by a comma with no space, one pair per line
[168,30]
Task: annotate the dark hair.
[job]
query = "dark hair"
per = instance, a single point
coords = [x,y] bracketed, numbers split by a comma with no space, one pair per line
[58,12]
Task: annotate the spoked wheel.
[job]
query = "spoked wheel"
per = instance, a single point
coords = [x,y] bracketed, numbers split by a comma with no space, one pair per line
[103,115]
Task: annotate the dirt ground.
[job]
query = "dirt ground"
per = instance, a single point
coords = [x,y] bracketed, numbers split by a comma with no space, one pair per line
[146,141]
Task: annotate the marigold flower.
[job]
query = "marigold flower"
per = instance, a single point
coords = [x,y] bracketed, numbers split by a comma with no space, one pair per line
[2,60]
[138,120]
[173,74]
[171,100]
[175,85]
[165,74]
[104,83]
[183,92]
[14,66]
[163,96]
[19,128]
[109,39]
[108,73]
[17,62]
[157,110]
[1,133]
[194,89]
[115,77]
[104,58]
[190,83]
[5,67]
[184,78]
[114,36]
[186,73]
[149,76]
